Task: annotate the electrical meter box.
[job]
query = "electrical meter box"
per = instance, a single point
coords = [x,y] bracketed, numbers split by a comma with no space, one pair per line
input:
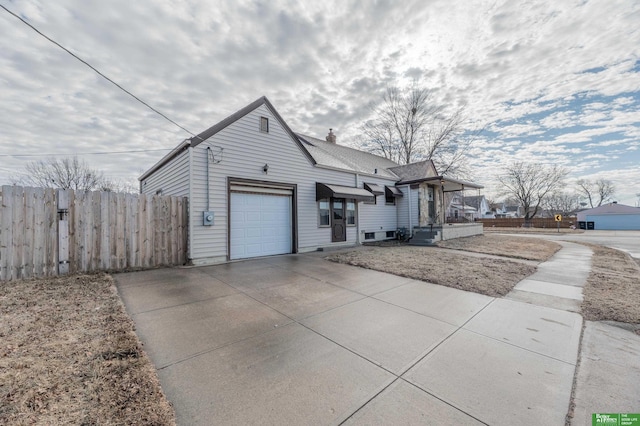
[207,218]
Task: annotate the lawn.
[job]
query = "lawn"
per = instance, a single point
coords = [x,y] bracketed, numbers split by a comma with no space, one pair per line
[69,355]
[612,291]
[480,274]
[503,245]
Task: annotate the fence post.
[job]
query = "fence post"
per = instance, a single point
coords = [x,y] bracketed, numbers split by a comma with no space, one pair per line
[63,232]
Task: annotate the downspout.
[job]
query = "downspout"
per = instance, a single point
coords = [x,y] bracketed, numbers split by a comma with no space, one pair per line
[464,206]
[357,212]
[208,196]
[190,208]
[410,211]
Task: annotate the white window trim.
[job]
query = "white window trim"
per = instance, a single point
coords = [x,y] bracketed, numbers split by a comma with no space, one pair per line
[320,225]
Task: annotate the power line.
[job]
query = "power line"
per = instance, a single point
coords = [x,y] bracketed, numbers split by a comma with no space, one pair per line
[85,153]
[96,70]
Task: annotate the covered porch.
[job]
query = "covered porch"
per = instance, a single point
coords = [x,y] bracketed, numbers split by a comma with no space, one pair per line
[434,223]
[434,193]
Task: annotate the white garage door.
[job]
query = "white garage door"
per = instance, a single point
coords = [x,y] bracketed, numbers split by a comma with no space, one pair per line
[260,225]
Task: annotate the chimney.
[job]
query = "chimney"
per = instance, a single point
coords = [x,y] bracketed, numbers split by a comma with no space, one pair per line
[331,137]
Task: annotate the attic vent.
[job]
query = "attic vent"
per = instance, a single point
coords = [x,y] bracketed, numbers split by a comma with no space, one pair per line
[264,124]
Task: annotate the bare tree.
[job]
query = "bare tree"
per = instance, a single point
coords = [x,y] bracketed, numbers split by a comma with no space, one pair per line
[562,202]
[119,185]
[531,183]
[408,126]
[596,192]
[65,173]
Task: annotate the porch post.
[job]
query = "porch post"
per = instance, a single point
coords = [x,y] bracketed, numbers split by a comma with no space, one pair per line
[463,204]
[444,218]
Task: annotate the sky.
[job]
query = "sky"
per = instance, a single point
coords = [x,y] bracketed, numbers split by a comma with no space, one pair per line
[550,82]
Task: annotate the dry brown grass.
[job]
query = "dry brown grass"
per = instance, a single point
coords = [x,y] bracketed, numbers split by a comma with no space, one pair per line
[612,291]
[69,355]
[503,245]
[493,277]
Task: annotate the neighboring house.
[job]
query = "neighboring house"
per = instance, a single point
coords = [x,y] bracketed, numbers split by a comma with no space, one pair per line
[498,210]
[459,209]
[481,205]
[256,188]
[611,216]
[513,211]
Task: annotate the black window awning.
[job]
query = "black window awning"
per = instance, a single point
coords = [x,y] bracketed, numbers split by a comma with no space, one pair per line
[375,189]
[392,191]
[326,190]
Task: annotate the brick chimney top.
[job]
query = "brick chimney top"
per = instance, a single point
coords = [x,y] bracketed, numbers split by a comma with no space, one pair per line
[331,137]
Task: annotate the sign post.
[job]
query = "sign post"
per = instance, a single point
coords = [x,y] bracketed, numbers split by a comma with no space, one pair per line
[558,218]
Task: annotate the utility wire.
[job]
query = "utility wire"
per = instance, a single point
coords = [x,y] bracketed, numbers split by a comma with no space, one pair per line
[85,153]
[98,72]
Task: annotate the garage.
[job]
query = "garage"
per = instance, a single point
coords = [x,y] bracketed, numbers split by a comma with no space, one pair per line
[260,221]
[612,216]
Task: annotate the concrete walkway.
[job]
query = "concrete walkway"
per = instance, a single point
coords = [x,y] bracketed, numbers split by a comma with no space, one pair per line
[608,379]
[558,282]
[608,375]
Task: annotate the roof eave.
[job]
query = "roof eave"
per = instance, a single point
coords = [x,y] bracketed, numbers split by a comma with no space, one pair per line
[469,185]
[164,160]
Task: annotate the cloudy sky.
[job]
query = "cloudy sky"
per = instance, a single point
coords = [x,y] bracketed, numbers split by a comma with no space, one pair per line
[550,81]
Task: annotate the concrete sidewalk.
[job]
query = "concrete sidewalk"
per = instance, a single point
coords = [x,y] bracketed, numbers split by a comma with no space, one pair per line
[608,375]
[300,340]
[558,282]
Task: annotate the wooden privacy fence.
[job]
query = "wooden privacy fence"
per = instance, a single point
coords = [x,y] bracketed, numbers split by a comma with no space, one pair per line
[46,232]
[536,222]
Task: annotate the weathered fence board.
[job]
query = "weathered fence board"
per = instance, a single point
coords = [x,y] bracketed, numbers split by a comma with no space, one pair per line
[99,231]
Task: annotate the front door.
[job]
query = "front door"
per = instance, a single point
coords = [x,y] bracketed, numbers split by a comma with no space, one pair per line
[338,223]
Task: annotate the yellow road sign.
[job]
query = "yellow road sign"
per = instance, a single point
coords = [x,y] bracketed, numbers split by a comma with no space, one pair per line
[558,218]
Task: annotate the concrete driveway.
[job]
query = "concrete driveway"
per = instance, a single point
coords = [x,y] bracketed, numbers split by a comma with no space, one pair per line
[300,340]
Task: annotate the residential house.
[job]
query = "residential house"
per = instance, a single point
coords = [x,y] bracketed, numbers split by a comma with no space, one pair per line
[475,207]
[256,188]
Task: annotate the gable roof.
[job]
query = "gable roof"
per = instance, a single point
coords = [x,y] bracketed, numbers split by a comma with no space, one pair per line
[474,201]
[203,136]
[612,208]
[336,156]
[322,153]
[415,172]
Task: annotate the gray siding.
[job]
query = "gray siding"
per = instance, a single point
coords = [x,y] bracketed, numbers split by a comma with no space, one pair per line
[246,151]
[404,211]
[379,217]
[172,178]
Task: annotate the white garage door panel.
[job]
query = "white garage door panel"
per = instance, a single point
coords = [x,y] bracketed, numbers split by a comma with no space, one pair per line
[260,225]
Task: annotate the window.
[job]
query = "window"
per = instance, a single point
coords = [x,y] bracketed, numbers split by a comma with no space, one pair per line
[369,235]
[391,234]
[351,212]
[323,212]
[264,124]
[375,198]
[390,200]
